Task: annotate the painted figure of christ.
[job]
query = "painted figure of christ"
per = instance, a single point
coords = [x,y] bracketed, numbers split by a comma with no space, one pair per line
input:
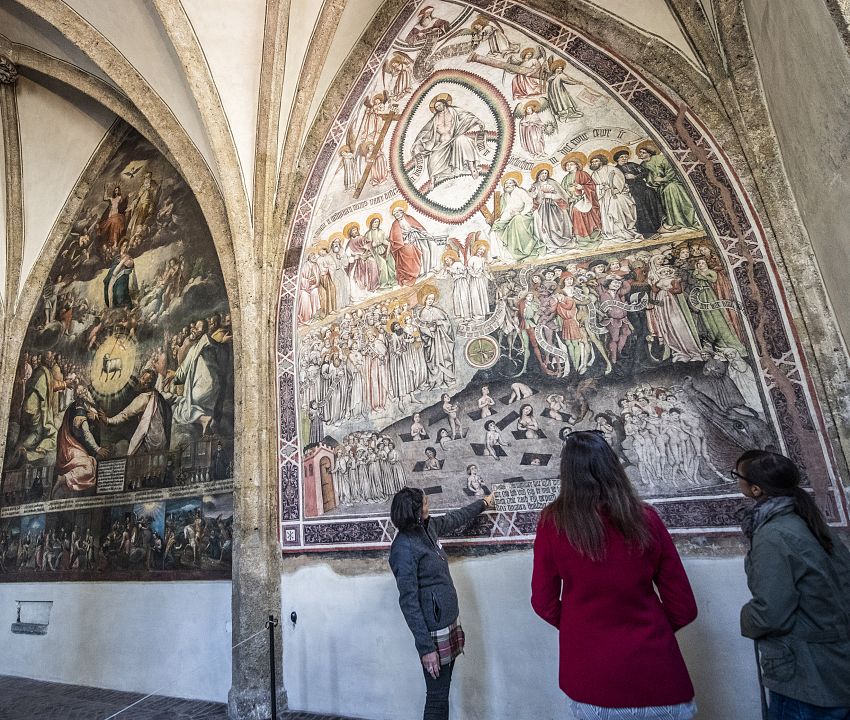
[444,143]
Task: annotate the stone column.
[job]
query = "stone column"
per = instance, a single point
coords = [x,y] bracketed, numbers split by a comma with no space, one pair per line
[10,142]
[256,557]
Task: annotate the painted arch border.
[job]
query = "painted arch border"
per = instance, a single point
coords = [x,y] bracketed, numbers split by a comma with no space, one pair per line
[688,143]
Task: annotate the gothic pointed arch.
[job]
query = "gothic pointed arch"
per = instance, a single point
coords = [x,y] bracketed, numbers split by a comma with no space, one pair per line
[509,233]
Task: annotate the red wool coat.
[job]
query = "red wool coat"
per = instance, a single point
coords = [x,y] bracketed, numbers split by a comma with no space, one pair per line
[616,635]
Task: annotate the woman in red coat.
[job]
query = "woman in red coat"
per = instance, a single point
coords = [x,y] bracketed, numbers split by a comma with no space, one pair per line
[599,557]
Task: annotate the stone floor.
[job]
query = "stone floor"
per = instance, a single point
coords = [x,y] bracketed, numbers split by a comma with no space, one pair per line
[22,699]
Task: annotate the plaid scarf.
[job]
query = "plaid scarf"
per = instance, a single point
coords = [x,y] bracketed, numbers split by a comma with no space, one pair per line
[449,641]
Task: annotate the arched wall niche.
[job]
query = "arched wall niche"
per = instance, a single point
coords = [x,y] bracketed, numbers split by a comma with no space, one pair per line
[646,306]
[119,450]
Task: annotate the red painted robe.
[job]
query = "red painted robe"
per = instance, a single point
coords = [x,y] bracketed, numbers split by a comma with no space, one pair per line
[408,258]
[585,214]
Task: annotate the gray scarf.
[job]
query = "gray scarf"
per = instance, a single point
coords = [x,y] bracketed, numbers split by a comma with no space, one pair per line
[762,511]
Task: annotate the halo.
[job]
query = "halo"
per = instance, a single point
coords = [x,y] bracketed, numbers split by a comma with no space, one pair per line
[579,158]
[426,290]
[449,253]
[515,176]
[559,63]
[399,204]
[647,145]
[619,149]
[348,228]
[321,245]
[480,244]
[480,21]
[389,324]
[525,51]
[336,236]
[541,166]
[599,153]
[531,104]
[445,97]
[426,9]
[373,216]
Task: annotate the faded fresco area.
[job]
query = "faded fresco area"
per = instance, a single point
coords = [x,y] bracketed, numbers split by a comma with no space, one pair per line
[119,454]
[500,253]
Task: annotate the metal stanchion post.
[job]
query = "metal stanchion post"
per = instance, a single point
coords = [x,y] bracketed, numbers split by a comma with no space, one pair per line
[271,624]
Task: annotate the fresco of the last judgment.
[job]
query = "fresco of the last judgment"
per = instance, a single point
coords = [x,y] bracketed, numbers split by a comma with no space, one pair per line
[499,253]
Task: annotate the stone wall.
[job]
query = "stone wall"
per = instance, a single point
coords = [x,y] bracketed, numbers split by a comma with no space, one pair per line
[814,145]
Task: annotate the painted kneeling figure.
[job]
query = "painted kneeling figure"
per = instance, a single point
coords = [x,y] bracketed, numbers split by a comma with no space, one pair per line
[426,593]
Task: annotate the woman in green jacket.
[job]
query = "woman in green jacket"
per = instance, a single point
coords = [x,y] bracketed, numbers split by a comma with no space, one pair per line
[799,574]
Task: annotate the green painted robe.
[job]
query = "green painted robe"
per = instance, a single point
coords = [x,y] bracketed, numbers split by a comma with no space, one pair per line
[678,208]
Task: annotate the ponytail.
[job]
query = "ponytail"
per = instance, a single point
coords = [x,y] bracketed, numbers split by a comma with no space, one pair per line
[778,476]
[806,508]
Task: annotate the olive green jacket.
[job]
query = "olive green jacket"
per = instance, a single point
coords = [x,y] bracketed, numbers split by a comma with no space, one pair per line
[800,611]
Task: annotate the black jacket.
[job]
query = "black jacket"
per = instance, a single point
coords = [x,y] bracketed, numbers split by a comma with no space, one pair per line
[426,593]
[800,611]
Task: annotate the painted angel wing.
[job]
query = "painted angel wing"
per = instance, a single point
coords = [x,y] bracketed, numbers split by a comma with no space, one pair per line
[518,111]
[385,70]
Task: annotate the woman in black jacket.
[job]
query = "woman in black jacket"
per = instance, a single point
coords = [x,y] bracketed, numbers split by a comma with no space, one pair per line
[426,592]
[799,574]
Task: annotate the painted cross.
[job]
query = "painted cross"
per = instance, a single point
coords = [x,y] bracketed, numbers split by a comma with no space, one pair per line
[388,119]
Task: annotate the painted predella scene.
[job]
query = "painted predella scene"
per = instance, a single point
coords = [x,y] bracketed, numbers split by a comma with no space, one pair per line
[499,254]
[119,454]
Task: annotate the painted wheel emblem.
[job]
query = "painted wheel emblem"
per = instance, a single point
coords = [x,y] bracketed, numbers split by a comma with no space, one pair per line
[482,352]
[451,145]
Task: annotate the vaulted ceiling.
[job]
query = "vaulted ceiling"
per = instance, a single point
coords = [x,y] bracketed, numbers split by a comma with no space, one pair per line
[200,63]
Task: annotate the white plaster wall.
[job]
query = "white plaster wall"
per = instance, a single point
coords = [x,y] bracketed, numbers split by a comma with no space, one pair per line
[59,133]
[22,26]
[138,33]
[222,27]
[355,19]
[351,652]
[303,15]
[168,638]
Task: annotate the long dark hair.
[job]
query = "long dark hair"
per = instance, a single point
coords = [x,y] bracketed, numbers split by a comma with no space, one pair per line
[593,484]
[777,476]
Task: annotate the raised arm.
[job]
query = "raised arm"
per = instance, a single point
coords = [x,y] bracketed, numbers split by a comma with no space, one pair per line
[455,519]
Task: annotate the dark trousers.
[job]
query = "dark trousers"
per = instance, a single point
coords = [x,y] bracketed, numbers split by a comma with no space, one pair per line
[783,707]
[437,693]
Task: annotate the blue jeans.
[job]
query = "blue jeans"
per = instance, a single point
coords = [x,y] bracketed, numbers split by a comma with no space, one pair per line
[784,708]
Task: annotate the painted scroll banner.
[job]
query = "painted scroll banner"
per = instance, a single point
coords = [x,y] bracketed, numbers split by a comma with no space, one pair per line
[525,494]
